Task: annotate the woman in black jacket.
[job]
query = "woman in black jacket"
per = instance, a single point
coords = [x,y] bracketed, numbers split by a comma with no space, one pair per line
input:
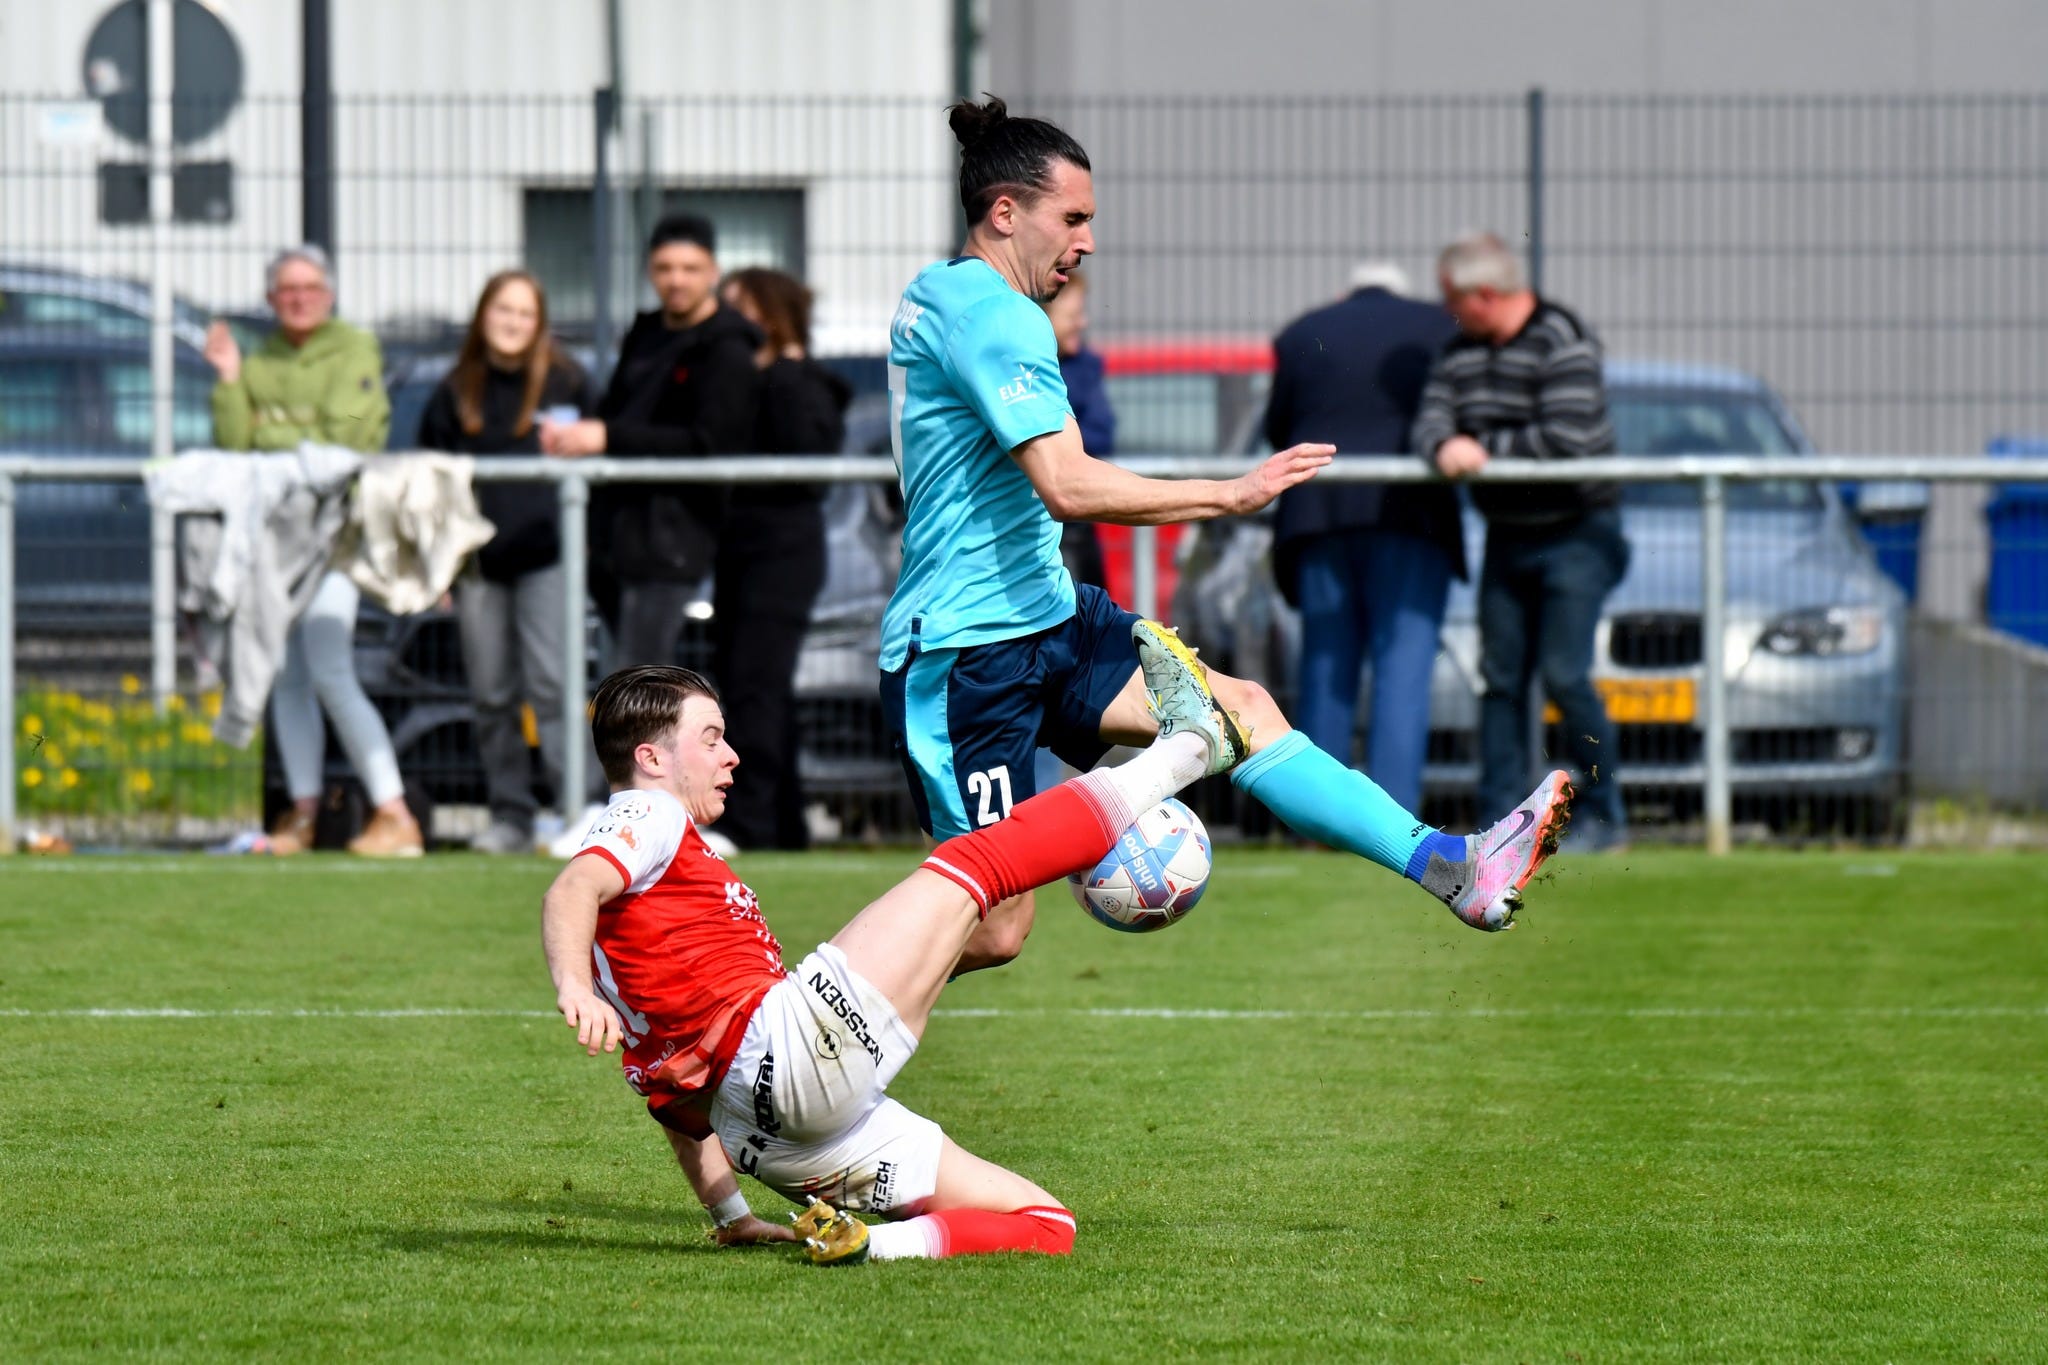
[509,375]
[771,563]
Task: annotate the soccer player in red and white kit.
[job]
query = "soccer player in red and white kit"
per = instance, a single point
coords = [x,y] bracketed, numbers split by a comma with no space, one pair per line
[653,942]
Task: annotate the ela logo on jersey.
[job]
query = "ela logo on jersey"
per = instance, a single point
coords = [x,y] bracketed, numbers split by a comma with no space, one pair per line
[1012,394]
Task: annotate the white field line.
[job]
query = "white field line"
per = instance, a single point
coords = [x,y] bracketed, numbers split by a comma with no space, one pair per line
[1193,1015]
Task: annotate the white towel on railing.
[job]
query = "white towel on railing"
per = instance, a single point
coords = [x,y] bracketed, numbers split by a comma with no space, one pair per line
[258,534]
[412,521]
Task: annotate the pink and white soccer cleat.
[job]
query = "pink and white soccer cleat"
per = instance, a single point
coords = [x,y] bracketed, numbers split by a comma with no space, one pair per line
[1486,889]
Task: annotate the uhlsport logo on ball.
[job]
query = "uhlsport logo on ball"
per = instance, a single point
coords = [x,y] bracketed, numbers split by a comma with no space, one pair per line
[1154,874]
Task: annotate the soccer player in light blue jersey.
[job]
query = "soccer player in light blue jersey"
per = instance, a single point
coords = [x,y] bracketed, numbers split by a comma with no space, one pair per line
[988,648]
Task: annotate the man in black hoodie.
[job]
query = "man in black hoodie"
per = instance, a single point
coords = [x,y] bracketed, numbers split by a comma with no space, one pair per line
[686,384]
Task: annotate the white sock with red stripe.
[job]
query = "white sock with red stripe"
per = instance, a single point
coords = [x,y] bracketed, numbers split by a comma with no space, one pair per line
[970,1232]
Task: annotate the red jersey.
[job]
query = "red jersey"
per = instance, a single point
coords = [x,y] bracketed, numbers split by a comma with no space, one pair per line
[682,953]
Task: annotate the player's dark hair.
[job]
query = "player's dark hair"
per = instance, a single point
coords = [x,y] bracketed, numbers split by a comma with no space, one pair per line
[693,228]
[1001,155]
[637,706]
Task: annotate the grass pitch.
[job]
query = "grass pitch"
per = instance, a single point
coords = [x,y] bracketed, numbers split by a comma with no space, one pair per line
[1777,1106]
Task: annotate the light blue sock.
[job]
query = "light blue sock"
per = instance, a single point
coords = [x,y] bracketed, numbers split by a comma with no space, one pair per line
[1323,800]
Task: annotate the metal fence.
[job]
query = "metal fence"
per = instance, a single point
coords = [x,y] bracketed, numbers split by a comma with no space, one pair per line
[1875,260]
[1766,667]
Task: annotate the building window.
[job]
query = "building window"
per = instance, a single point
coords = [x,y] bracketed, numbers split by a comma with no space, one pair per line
[755,227]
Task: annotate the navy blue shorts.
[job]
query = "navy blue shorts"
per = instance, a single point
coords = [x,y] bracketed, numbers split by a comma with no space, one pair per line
[967,724]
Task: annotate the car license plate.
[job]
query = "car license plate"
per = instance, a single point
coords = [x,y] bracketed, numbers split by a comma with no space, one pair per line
[1644,701]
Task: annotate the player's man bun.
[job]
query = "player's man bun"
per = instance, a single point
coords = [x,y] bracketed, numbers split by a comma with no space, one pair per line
[972,122]
[1002,155]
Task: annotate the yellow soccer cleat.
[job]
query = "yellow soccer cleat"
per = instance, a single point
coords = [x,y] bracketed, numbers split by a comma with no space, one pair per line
[813,1219]
[1178,692]
[842,1240]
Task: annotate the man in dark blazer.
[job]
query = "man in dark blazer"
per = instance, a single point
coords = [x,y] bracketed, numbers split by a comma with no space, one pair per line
[1368,565]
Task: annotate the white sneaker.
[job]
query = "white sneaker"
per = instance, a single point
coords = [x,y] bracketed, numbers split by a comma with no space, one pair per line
[576,832]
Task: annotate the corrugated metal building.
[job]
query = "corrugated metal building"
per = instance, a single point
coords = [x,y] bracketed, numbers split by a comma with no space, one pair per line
[465,141]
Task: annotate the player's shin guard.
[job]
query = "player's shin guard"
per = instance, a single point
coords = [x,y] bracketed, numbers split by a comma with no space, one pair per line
[1321,799]
[972,1232]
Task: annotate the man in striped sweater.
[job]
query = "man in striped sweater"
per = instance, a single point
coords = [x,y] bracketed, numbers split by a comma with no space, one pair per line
[1522,381]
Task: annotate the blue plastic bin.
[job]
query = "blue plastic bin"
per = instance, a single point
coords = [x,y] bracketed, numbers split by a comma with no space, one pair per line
[1891,516]
[2016,595]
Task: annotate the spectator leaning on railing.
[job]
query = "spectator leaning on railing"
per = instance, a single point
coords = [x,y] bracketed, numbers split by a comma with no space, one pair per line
[1369,565]
[685,384]
[316,379]
[510,600]
[1524,382]
[771,562]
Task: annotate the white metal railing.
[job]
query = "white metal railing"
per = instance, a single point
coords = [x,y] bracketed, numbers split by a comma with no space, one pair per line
[576,477]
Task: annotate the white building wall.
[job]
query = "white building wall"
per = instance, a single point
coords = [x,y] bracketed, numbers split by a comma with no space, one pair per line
[448,110]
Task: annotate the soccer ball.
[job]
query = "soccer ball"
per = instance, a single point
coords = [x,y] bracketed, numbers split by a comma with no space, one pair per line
[1153,876]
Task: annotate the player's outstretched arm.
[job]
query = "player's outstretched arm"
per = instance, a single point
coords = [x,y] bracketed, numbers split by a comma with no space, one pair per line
[1075,486]
[568,926]
[718,1190]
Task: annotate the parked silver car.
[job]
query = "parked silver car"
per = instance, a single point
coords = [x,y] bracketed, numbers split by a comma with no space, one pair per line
[1815,644]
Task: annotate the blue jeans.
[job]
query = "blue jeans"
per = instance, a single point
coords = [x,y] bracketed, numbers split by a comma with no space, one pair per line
[1540,596]
[1380,593]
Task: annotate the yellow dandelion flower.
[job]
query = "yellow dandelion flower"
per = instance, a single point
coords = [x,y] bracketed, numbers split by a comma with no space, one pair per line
[130,684]
[194,733]
[140,782]
[31,724]
[32,777]
[68,778]
[174,703]
[210,704]
[53,755]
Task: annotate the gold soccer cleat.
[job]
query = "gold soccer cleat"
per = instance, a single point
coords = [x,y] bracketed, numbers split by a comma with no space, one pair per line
[1178,692]
[813,1219]
[841,1240]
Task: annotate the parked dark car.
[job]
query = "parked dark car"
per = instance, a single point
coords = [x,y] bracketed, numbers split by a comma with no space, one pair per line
[81,560]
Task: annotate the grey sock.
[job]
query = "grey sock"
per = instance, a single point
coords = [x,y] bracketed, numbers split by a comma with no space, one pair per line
[1447,880]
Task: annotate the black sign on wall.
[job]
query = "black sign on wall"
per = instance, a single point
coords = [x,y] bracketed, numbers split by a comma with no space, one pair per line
[206,70]
[201,192]
[206,84]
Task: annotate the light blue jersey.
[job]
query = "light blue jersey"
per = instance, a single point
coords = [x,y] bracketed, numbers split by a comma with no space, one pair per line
[973,374]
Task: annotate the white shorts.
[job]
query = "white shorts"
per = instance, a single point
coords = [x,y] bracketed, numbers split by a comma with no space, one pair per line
[803,1108]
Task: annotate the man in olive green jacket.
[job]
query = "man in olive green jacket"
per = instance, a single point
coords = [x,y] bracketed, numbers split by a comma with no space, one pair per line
[316,379]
